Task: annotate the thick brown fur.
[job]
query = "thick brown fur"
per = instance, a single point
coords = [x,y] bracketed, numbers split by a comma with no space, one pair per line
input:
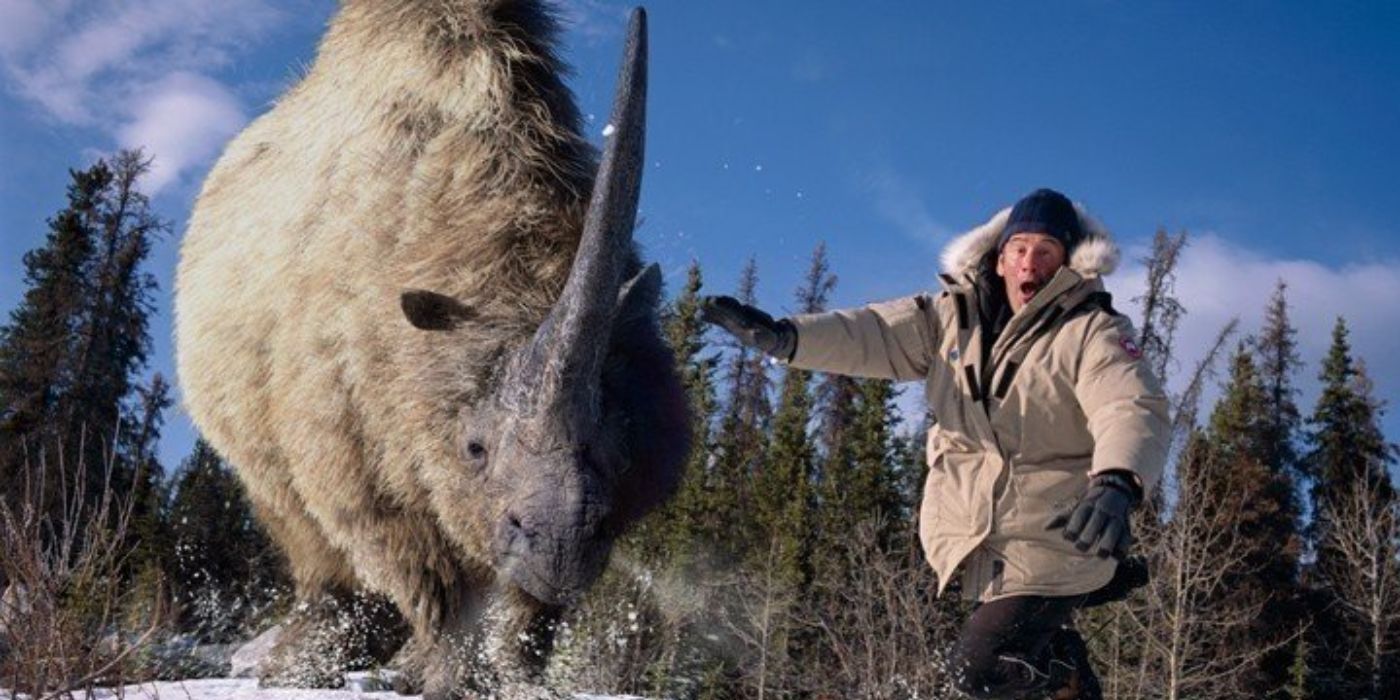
[432,145]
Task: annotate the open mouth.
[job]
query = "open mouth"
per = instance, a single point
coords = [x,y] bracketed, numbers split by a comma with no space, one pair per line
[1028,289]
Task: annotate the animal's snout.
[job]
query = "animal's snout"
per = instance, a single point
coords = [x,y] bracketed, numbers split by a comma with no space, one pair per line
[522,534]
[551,553]
[516,527]
[515,535]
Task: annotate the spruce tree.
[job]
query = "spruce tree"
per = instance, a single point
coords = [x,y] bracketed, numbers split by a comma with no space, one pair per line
[682,526]
[36,346]
[71,355]
[855,421]
[783,486]
[1263,511]
[1347,465]
[1236,423]
[739,443]
[1161,310]
[113,342]
[911,456]
[817,284]
[861,478]
[835,406]
[223,567]
[1277,350]
[1344,433]
[834,482]
[783,489]
[875,449]
[148,530]
[783,504]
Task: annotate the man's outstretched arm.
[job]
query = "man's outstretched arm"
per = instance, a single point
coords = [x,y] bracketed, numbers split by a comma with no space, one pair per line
[889,340]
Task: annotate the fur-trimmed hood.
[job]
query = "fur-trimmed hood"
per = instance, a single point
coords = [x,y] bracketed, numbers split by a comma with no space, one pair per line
[1095,256]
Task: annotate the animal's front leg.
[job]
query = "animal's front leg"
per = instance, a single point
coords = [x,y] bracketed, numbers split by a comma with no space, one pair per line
[330,634]
[520,635]
[494,650]
[451,657]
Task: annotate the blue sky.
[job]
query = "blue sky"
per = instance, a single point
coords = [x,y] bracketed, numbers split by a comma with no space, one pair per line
[1266,129]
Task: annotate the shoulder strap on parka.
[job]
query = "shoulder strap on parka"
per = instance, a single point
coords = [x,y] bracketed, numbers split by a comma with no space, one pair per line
[1051,321]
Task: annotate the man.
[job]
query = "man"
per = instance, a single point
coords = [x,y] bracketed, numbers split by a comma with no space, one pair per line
[1049,429]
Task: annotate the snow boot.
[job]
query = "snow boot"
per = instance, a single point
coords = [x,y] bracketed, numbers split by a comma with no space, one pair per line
[1071,675]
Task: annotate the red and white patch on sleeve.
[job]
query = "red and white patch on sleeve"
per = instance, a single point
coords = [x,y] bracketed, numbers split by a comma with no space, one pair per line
[1130,347]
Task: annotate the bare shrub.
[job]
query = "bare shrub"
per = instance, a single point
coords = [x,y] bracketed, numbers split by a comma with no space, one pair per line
[639,632]
[1364,533]
[760,612]
[1177,637]
[880,629]
[873,628]
[63,630]
[608,642]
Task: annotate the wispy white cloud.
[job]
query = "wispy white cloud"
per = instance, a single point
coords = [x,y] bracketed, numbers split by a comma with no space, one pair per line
[27,22]
[182,121]
[123,67]
[1218,280]
[902,205]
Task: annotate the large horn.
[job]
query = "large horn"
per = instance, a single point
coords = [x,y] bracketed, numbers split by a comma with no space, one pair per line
[564,359]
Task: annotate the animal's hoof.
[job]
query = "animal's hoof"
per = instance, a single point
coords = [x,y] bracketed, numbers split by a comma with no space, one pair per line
[408,683]
[410,665]
[324,639]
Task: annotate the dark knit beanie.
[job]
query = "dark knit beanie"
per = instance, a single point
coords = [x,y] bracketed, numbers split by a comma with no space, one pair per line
[1044,211]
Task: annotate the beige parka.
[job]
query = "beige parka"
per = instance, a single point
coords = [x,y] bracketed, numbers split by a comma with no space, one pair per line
[1065,393]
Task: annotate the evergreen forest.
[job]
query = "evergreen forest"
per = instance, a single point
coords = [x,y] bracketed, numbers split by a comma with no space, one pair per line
[787,565]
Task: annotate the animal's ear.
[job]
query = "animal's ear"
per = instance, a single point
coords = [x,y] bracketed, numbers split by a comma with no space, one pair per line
[640,294]
[431,311]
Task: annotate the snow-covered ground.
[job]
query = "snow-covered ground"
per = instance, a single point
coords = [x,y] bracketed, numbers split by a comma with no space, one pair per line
[233,689]
[360,688]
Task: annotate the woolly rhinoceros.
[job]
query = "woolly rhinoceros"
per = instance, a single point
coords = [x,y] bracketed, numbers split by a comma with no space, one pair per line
[416,324]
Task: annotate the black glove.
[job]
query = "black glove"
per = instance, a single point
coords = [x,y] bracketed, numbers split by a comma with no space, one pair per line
[751,326]
[1100,519]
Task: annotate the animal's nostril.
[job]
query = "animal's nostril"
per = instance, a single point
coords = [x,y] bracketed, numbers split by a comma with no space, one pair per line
[518,529]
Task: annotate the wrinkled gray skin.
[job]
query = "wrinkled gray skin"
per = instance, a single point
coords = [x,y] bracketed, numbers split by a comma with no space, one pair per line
[475,468]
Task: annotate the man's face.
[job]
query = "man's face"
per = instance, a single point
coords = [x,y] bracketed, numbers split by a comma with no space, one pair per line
[1027,263]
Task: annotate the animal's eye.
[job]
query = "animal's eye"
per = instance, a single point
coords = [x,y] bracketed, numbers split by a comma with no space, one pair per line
[476,450]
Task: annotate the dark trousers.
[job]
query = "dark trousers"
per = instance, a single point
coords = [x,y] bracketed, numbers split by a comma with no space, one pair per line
[1007,648]
[1014,647]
